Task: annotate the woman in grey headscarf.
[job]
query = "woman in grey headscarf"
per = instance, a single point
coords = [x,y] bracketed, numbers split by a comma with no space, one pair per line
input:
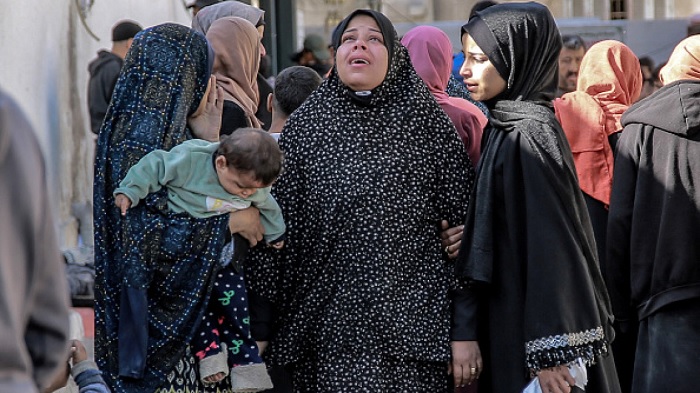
[204,18]
[203,21]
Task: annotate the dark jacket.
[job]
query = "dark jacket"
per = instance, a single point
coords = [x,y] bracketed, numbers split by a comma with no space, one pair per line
[104,71]
[655,206]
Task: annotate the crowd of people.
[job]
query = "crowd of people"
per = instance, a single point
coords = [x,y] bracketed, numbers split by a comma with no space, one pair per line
[371,223]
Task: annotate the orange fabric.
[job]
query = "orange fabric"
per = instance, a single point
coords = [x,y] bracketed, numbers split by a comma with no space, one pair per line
[684,62]
[610,80]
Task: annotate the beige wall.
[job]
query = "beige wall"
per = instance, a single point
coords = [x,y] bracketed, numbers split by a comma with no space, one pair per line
[45,53]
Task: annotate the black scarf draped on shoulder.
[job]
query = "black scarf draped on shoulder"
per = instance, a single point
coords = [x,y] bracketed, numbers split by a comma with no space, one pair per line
[526,176]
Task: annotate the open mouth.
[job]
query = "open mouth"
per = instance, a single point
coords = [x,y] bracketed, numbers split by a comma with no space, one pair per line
[359,61]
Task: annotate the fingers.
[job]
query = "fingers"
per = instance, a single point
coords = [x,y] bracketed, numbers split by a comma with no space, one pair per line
[212,89]
[466,376]
[453,250]
[216,94]
[474,372]
[450,236]
[457,376]
[443,226]
[219,98]
[466,362]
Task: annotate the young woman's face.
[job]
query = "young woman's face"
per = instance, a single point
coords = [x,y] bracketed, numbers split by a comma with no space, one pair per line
[481,77]
[362,59]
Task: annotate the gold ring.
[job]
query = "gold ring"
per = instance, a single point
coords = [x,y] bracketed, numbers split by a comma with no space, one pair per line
[473,370]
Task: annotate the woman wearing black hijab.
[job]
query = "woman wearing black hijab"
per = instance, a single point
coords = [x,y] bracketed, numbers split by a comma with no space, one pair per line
[372,167]
[536,300]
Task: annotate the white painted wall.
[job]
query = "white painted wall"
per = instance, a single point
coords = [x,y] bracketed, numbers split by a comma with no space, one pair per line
[44,53]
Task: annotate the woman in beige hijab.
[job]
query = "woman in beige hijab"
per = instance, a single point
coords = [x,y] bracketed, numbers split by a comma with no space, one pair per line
[236,45]
[203,21]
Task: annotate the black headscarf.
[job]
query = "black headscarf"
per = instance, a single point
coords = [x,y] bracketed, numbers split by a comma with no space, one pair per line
[390,40]
[527,211]
[533,45]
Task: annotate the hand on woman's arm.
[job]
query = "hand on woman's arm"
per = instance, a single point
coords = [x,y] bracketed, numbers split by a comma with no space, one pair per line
[451,238]
[247,223]
[205,123]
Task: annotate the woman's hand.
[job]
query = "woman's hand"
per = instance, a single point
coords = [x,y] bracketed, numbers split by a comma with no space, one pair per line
[466,363]
[556,379]
[451,238]
[206,121]
[247,223]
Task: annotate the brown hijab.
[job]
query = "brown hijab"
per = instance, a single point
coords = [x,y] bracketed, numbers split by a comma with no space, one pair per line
[684,62]
[236,45]
[609,81]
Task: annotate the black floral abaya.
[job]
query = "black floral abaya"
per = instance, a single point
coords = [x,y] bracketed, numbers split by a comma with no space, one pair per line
[364,281]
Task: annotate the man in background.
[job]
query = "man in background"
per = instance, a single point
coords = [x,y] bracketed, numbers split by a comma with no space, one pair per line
[315,54]
[104,71]
[569,63]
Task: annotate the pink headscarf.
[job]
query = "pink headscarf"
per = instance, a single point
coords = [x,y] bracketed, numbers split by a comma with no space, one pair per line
[431,54]
[684,62]
[610,80]
[236,45]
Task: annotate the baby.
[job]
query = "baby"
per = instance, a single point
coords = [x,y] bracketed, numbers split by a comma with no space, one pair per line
[205,179]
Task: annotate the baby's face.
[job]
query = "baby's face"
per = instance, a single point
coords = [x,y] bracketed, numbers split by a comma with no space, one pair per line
[241,184]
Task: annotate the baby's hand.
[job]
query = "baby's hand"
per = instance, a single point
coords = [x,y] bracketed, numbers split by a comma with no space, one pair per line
[78,352]
[123,203]
[277,245]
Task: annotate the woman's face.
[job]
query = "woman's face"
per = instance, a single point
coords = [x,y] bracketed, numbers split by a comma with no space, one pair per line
[362,59]
[261,33]
[481,77]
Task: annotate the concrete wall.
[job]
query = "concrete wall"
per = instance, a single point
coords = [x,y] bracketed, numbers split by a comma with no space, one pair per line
[43,65]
